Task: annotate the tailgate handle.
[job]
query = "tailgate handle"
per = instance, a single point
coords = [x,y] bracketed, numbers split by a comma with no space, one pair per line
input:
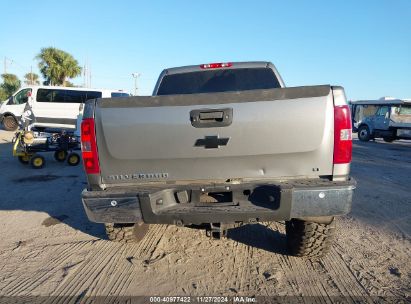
[208,118]
[217,115]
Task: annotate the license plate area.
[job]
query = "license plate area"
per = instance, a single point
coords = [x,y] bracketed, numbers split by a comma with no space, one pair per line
[203,198]
[221,198]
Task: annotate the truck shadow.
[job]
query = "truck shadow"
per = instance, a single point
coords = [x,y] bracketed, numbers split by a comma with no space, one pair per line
[259,236]
[61,208]
[54,190]
[74,217]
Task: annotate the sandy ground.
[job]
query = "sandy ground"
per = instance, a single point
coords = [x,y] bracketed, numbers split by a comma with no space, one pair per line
[48,247]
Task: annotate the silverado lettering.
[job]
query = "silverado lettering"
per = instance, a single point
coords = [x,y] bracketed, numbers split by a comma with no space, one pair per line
[138,176]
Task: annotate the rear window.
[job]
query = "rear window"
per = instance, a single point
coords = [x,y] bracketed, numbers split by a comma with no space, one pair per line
[218,81]
[119,94]
[93,95]
[67,96]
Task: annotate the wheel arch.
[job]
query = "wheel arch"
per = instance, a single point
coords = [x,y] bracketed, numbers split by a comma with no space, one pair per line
[6,114]
[364,124]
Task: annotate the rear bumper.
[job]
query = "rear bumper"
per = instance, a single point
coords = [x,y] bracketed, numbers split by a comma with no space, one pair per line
[251,202]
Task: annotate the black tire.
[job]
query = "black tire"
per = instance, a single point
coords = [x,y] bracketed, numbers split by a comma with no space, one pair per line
[24,159]
[60,155]
[73,159]
[126,232]
[364,133]
[309,239]
[37,161]
[10,123]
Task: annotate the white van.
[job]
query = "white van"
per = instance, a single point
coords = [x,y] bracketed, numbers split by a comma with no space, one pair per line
[53,107]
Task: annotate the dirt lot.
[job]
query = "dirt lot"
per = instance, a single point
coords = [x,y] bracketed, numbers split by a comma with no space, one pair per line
[48,247]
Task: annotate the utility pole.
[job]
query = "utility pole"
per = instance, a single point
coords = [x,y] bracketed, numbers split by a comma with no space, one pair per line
[11,61]
[85,75]
[135,76]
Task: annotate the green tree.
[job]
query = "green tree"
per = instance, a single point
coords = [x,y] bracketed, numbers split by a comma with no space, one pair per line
[31,79]
[10,85]
[3,95]
[57,66]
[70,84]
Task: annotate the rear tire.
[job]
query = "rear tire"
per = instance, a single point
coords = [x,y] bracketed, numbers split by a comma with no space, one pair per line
[73,159]
[309,239]
[126,233]
[24,159]
[10,123]
[60,155]
[37,161]
[364,133]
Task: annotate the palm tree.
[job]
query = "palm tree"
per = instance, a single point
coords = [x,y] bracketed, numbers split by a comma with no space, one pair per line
[48,64]
[57,66]
[10,84]
[31,79]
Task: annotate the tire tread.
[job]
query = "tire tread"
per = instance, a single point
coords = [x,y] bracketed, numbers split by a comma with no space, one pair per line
[309,239]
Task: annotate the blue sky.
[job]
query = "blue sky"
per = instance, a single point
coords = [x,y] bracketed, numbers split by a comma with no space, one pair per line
[364,46]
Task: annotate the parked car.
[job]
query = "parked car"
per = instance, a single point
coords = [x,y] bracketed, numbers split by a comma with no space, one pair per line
[389,119]
[220,145]
[56,107]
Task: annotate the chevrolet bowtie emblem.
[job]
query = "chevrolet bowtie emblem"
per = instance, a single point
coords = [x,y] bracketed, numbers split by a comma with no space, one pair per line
[211,142]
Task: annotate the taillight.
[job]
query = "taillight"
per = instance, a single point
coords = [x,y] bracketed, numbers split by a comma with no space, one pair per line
[342,135]
[216,65]
[89,146]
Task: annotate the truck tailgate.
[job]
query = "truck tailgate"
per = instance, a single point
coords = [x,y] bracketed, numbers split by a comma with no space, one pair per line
[274,133]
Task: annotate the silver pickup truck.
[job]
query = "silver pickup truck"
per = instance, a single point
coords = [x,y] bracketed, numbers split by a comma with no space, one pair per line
[220,145]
